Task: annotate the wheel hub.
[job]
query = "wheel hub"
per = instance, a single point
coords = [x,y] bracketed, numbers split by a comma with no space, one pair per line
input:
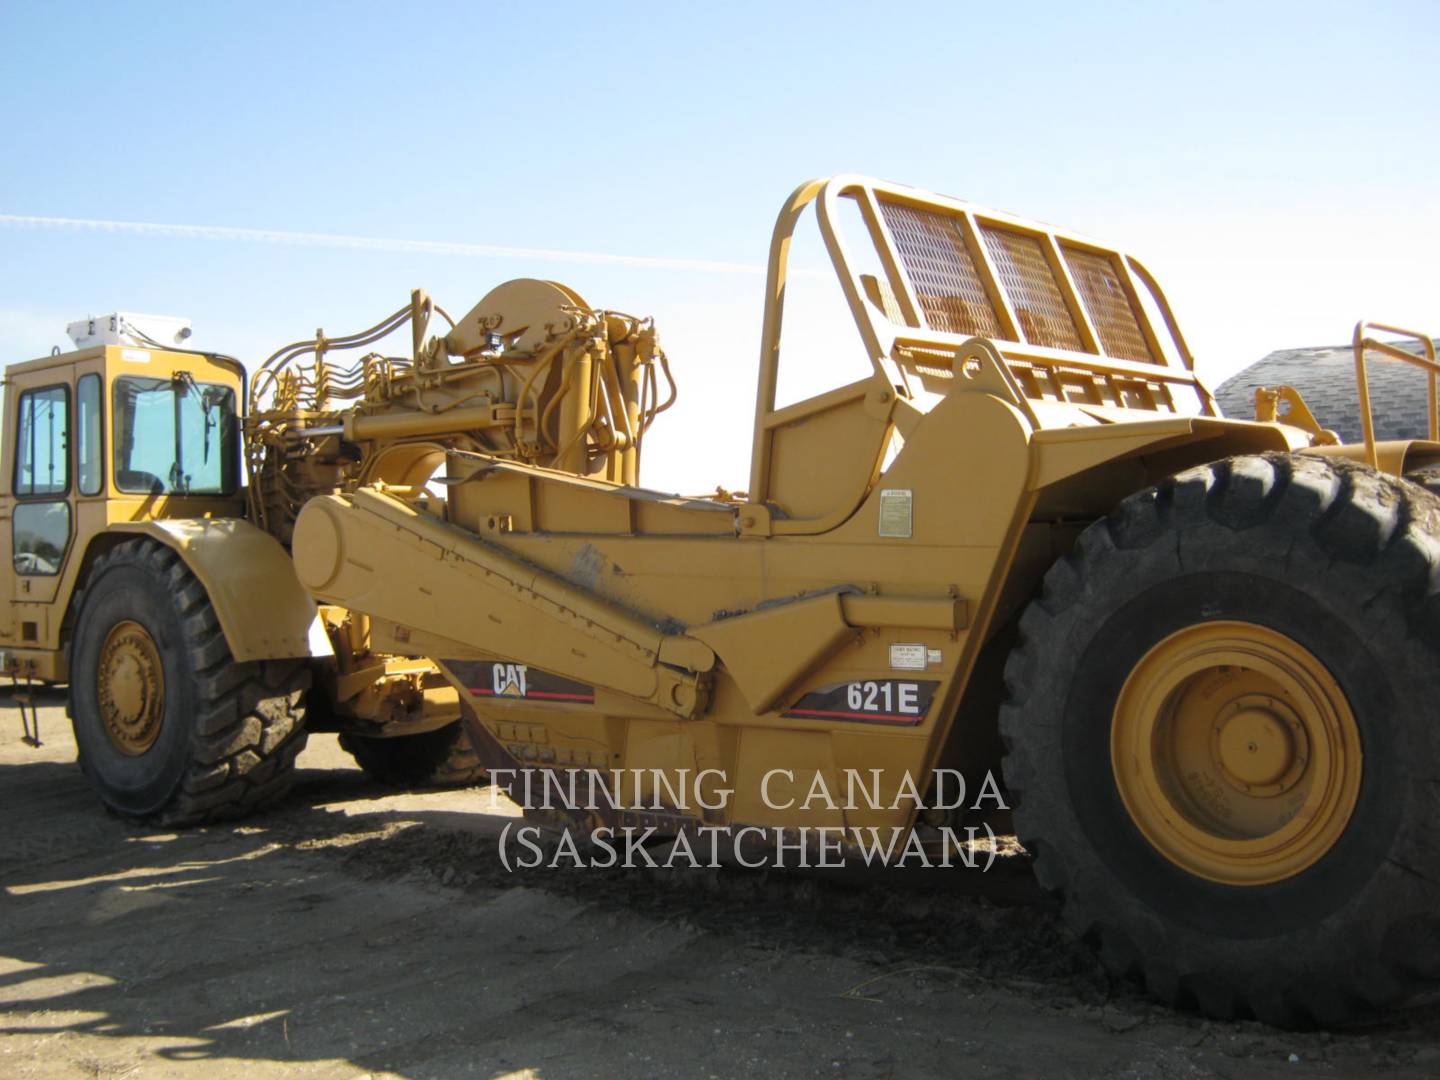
[1236,753]
[1260,745]
[130,688]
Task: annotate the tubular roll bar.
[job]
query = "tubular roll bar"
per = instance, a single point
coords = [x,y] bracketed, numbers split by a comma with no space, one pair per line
[886,341]
[1364,344]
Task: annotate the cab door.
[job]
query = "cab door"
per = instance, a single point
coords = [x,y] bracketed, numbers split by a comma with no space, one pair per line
[42,514]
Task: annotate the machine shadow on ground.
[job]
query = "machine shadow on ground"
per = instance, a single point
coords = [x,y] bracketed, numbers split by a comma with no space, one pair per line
[356,928]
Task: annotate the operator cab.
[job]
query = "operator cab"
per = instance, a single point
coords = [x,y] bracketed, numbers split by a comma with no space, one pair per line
[120,430]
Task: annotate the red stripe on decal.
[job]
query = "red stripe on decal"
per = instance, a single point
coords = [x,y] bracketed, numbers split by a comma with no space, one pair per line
[886,718]
[482,692]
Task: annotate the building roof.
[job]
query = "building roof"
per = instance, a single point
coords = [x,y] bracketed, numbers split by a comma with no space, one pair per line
[1325,378]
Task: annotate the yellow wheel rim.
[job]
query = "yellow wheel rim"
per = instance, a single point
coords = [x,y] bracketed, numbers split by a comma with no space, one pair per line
[130,687]
[1236,753]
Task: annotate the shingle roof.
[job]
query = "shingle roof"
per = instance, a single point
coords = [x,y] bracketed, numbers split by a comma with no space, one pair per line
[1325,378]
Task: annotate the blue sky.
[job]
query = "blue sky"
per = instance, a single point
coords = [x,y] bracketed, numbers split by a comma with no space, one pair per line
[1274,164]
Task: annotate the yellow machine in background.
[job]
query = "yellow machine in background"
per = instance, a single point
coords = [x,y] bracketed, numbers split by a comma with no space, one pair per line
[1205,647]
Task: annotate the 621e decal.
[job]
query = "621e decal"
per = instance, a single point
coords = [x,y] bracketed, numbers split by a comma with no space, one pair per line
[873,701]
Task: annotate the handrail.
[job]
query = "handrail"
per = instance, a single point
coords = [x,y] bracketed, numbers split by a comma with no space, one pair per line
[1361,344]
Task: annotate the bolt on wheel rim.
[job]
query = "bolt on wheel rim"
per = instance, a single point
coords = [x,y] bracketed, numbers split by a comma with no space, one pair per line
[1236,753]
[130,687]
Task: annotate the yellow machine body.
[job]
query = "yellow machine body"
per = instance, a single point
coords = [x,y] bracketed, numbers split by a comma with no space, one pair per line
[831,621]
[474,510]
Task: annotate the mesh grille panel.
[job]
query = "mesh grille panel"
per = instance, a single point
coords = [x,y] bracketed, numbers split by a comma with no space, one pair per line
[933,250]
[882,296]
[1098,281]
[1025,275]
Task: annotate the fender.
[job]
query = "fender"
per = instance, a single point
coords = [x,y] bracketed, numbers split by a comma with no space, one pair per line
[1062,452]
[262,608]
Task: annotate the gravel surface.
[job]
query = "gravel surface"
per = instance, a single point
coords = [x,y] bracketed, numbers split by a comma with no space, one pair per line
[359,932]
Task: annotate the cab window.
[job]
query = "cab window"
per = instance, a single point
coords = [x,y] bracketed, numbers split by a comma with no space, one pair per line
[174,437]
[89,453]
[42,461]
[40,533]
[40,521]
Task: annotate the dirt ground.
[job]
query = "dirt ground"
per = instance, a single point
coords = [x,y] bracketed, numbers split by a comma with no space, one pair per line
[358,932]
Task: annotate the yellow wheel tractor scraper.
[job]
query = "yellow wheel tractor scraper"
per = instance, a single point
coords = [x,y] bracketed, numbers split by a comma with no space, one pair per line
[1204,651]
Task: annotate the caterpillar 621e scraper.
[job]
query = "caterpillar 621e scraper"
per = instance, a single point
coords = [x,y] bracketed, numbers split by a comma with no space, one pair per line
[1206,651]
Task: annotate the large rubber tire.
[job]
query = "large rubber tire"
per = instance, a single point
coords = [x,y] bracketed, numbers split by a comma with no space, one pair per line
[439,758]
[1427,476]
[1343,561]
[228,732]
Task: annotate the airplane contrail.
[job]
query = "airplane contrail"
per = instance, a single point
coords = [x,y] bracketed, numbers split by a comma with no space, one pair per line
[366,243]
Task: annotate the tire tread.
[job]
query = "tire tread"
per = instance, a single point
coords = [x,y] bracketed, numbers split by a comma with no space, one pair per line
[249,724]
[1363,522]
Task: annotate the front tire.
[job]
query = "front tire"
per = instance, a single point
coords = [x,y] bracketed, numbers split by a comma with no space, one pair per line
[169,728]
[1220,732]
